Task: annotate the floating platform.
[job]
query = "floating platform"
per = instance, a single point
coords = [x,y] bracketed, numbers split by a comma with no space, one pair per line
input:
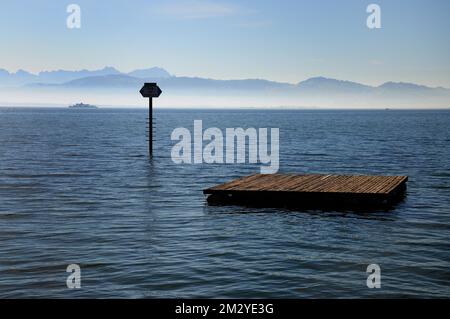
[310,191]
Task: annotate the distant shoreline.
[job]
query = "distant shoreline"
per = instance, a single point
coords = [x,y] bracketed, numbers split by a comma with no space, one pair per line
[224,108]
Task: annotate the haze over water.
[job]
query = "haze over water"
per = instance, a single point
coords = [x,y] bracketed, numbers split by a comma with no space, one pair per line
[76,186]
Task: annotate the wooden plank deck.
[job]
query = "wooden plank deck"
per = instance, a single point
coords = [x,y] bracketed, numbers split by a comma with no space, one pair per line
[310,190]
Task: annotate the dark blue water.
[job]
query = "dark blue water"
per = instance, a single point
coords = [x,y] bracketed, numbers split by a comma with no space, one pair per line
[77,187]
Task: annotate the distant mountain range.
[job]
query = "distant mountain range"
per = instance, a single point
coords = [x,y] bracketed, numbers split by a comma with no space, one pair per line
[317,91]
[22,77]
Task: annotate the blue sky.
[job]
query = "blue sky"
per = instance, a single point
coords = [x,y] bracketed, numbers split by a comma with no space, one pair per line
[279,40]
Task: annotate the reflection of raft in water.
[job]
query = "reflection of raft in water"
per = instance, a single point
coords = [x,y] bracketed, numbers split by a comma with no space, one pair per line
[83,106]
[310,191]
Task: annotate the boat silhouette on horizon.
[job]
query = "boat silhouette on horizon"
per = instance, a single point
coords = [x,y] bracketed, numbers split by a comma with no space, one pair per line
[82,106]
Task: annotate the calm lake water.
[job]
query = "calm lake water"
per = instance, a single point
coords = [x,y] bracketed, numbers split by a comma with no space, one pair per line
[76,186]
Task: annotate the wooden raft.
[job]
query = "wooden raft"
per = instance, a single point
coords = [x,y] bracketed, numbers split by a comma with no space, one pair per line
[312,190]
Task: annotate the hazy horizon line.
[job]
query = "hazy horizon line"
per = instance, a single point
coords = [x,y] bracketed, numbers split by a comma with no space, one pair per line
[274,108]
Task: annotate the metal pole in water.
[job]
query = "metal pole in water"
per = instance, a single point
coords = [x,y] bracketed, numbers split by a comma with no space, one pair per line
[150,90]
[150,126]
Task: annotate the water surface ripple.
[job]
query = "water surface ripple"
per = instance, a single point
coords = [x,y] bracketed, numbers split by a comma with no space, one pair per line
[77,187]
